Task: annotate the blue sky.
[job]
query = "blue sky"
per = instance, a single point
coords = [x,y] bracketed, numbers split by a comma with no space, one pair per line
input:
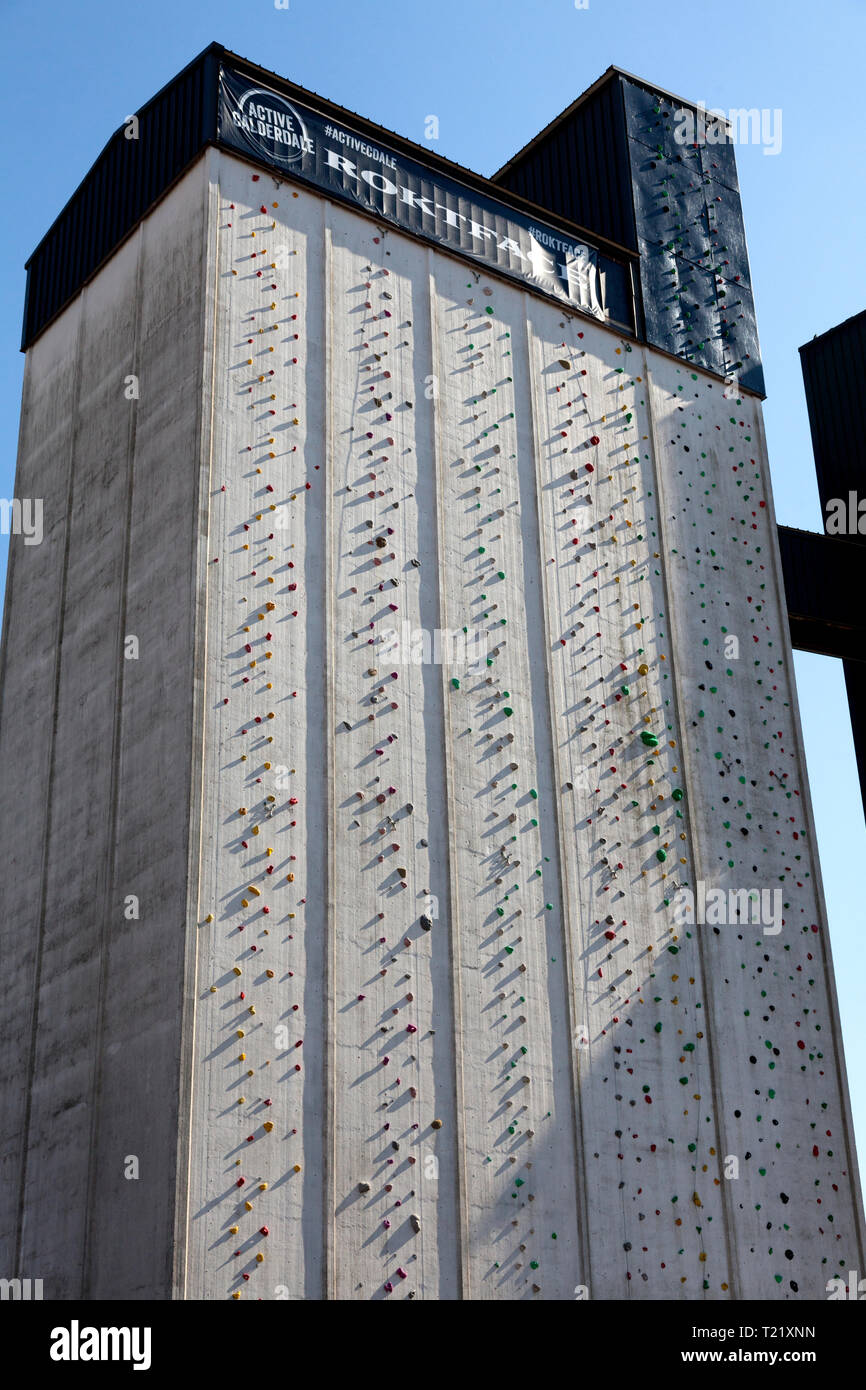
[494,74]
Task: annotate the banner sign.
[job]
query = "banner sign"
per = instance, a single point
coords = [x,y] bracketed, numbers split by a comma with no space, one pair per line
[299,141]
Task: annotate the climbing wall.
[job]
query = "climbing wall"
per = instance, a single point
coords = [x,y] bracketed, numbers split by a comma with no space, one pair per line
[697,287]
[356,967]
[450,1038]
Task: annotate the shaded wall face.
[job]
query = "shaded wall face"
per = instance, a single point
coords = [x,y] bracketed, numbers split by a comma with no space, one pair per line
[96,739]
[447,965]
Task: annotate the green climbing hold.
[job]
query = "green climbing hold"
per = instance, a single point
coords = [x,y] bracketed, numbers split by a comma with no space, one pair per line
[677,794]
[661,855]
[649,739]
[455,682]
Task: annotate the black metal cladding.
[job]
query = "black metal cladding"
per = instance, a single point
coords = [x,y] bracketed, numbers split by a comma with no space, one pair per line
[131,175]
[580,168]
[125,181]
[607,165]
[822,590]
[834,373]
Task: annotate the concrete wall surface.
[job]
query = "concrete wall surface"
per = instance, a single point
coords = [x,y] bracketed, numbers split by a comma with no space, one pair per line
[463,656]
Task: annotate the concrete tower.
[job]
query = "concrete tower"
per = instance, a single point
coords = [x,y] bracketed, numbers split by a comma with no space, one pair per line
[411,884]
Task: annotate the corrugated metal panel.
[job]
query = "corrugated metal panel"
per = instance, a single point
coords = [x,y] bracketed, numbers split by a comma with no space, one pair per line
[834,373]
[580,170]
[823,579]
[125,181]
[855,685]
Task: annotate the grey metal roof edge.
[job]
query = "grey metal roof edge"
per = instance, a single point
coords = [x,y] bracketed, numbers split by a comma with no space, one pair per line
[830,332]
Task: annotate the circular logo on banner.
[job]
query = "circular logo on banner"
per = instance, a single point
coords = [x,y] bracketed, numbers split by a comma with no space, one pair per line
[272,126]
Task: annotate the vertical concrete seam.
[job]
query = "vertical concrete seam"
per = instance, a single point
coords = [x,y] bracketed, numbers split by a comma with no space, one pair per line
[580,1172]
[46,844]
[199,591]
[464,1282]
[461,1272]
[694,842]
[329,1196]
[104,917]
